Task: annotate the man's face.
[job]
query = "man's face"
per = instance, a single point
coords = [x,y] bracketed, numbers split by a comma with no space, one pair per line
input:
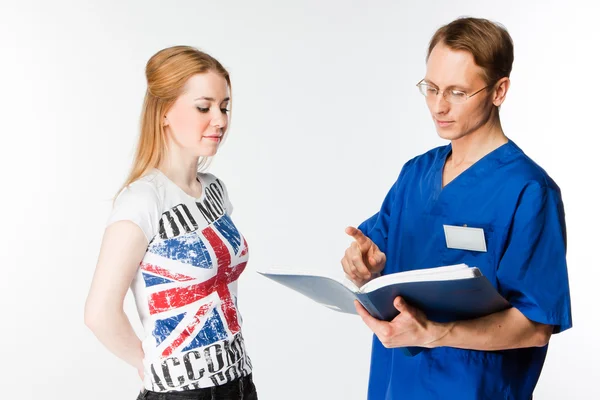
[448,70]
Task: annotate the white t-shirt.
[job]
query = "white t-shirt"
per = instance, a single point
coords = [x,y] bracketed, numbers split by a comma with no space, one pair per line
[185,288]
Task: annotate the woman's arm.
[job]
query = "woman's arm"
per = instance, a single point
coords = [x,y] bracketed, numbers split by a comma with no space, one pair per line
[123,247]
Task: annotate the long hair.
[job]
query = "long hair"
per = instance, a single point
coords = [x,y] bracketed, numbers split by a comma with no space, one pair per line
[166,74]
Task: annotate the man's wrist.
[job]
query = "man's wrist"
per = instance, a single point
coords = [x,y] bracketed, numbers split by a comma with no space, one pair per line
[440,333]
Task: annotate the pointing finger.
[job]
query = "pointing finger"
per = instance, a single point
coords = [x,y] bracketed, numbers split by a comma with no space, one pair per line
[363,241]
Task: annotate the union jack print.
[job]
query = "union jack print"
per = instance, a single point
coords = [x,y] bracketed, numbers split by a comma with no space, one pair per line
[188,278]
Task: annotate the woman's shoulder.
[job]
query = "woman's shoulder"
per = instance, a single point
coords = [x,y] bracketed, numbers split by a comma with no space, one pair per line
[212,182]
[215,189]
[208,177]
[146,190]
[140,202]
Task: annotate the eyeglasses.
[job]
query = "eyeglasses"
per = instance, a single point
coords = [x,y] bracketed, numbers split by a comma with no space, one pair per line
[450,95]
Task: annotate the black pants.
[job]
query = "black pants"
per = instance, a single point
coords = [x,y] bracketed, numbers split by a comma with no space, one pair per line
[239,389]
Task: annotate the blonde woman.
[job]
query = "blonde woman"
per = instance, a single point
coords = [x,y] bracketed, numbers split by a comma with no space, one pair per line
[170,238]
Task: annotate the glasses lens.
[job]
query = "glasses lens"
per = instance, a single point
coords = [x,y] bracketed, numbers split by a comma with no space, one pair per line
[426,90]
[456,96]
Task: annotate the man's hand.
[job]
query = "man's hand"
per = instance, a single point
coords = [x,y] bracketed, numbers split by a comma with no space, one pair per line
[410,328]
[363,260]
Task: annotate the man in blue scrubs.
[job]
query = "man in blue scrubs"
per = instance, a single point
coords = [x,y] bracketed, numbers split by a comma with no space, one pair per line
[481,190]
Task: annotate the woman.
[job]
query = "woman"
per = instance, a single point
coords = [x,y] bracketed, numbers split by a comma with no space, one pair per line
[171,239]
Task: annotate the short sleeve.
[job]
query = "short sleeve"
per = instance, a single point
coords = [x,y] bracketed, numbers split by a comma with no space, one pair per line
[138,203]
[532,273]
[376,227]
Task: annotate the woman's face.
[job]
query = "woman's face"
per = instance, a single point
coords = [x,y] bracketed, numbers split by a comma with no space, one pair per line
[456,69]
[198,119]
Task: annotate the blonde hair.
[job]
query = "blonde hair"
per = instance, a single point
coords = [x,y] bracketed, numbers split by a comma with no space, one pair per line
[166,74]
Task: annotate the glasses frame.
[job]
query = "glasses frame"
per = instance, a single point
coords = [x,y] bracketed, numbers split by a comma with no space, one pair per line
[437,91]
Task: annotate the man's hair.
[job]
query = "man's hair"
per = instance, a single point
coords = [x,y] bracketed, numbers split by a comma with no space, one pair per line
[488,42]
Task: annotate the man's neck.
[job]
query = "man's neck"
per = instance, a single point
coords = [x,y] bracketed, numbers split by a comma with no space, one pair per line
[471,148]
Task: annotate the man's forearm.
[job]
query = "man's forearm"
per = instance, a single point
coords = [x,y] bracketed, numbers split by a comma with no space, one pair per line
[508,329]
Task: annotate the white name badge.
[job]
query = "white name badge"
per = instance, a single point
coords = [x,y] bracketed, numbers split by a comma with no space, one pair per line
[465,238]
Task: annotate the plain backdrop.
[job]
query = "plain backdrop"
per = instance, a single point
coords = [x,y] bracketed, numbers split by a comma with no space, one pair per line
[325,113]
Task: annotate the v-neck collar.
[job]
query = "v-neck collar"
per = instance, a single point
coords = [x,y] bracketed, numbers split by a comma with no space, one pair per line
[472,172]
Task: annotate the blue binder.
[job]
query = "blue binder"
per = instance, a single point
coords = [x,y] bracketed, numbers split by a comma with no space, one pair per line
[453,294]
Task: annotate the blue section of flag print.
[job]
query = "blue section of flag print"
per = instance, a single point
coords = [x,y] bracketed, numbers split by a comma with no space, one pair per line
[226,228]
[187,248]
[164,327]
[212,331]
[152,280]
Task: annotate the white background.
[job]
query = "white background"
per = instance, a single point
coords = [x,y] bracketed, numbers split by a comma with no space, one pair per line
[325,114]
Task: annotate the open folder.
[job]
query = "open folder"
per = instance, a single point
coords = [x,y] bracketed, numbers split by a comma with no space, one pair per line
[444,294]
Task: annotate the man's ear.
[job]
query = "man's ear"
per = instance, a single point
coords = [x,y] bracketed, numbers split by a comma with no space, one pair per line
[500,91]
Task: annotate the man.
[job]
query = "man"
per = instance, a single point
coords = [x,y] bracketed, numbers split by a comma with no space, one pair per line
[480,180]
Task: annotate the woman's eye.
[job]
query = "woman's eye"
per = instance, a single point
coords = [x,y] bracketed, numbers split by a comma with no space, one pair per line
[224,110]
[202,110]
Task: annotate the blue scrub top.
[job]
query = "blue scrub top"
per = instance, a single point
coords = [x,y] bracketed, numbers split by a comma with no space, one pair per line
[520,210]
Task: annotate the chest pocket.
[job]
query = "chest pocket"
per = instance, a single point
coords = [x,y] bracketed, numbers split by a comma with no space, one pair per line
[486,261]
[421,243]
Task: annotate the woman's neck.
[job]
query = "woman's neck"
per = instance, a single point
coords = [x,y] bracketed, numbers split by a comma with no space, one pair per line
[181,170]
